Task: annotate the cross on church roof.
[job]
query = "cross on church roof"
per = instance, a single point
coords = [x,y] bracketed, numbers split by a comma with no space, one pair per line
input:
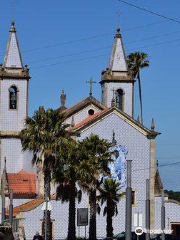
[118,16]
[91,83]
[13,5]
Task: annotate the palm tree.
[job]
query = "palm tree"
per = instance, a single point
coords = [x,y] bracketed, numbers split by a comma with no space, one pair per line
[109,194]
[43,132]
[66,175]
[94,163]
[137,61]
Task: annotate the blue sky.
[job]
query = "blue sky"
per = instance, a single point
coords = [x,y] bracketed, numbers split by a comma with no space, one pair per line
[50,29]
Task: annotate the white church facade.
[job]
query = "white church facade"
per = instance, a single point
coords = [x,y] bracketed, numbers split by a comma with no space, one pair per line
[111,118]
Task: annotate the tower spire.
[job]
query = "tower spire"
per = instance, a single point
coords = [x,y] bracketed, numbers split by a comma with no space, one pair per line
[118,61]
[13,57]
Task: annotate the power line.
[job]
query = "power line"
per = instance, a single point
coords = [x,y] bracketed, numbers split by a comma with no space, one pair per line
[163,165]
[149,11]
[81,59]
[76,60]
[72,54]
[101,48]
[169,157]
[92,37]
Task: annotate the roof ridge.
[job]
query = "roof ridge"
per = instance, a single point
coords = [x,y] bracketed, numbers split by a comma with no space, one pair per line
[89,118]
[29,205]
[125,115]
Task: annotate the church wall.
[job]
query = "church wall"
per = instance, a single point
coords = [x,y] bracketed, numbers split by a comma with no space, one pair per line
[59,216]
[128,96]
[172,211]
[16,160]
[138,147]
[83,114]
[13,120]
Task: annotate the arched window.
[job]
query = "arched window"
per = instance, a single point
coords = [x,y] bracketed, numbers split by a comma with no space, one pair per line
[119,99]
[13,97]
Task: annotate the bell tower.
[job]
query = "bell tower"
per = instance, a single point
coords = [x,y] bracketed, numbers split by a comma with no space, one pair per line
[14,85]
[117,82]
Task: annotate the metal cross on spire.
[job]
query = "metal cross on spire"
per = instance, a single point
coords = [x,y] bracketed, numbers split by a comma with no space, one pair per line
[13,5]
[91,83]
[118,17]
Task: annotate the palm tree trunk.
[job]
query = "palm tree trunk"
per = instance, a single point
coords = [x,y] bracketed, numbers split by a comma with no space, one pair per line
[72,213]
[140,96]
[47,192]
[92,224]
[109,226]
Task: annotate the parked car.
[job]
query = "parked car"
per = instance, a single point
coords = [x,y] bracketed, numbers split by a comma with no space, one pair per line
[167,237]
[121,236]
[6,233]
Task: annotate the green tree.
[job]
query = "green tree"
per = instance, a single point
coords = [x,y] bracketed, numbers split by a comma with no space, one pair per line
[43,132]
[94,163]
[110,195]
[174,195]
[66,175]
[137,61]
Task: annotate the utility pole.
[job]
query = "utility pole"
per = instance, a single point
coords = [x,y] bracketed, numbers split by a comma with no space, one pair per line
[46,215]
[3,209]
[148,209]
[11,208]
[163,216]
[128,225]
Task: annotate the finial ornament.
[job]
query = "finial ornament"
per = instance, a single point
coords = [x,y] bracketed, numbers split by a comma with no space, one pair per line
[91,84]
[13,27]
[63,99]
[152,125]
[72,122]
[114,139]
[138,119]
[4,163]
[157,164]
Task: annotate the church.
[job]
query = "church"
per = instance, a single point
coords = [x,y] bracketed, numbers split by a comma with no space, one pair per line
[111,118]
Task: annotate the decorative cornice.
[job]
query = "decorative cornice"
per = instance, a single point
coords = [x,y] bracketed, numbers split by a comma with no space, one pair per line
[106,76]
[9,134]
[11,73]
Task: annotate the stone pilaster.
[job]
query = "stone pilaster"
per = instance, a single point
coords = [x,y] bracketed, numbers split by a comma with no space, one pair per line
[152,174]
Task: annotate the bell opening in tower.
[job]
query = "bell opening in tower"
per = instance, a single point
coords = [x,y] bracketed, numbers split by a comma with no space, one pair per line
[119,99]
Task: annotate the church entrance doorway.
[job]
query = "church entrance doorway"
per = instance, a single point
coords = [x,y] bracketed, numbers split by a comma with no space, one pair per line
[175,227]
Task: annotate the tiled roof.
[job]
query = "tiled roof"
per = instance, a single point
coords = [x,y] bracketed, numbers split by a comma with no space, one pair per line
[88,119]
[69,108]
[96,117]
[29,205]
[81,105]
[23,184]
